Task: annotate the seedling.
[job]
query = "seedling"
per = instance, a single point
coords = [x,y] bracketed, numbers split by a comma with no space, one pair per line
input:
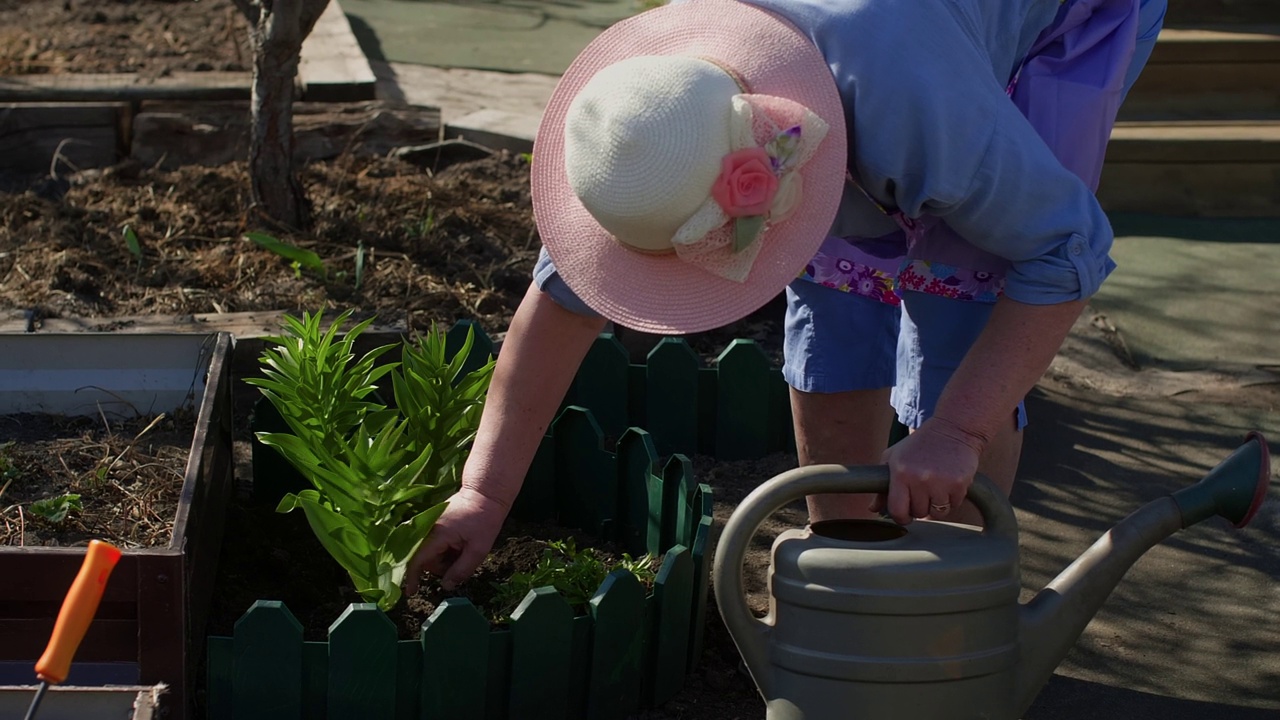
[131,241]
[575,574]
[300,258]
[8,470]
[56,509]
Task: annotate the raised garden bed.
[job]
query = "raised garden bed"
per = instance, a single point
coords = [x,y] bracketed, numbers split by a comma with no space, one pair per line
[160,590]
[628,649]
[63,702]
[75,78]
[632,649]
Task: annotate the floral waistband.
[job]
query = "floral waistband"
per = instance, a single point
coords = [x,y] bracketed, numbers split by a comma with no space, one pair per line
[842,266]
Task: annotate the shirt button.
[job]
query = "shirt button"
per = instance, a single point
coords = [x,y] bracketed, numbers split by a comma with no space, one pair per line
[1077,248]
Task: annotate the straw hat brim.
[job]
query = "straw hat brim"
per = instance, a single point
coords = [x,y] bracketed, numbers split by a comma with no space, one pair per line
[661,293]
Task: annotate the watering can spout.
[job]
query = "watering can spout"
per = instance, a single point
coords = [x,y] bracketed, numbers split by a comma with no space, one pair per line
[1056,616]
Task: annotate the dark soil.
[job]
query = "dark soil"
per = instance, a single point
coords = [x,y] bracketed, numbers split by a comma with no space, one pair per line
[260,546]
[128,476]
[438,248]
[150,37]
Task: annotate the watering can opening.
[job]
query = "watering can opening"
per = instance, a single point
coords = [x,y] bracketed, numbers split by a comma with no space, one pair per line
[860,531]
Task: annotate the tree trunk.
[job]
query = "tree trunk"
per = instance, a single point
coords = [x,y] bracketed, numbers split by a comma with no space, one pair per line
[277,47]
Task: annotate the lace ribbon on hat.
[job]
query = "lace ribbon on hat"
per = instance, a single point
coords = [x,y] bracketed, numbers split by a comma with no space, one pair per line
[759,184]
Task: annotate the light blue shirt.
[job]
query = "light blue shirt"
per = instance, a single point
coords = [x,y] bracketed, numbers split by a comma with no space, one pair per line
[933,132]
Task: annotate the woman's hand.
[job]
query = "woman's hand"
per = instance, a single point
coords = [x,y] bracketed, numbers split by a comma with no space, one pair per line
[930,471]
[459,541]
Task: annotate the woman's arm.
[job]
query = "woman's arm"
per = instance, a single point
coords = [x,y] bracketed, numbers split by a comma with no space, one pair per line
[538,360]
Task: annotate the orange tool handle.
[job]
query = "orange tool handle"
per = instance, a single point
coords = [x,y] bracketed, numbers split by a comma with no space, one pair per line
[77,611]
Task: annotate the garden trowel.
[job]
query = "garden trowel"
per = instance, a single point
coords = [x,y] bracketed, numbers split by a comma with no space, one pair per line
[78,609]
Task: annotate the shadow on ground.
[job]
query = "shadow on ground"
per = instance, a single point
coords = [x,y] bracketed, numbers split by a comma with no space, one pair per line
[1193,623]
[1069,699]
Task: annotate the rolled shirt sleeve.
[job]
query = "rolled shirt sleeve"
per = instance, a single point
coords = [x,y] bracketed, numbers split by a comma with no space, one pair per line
[934,133]
[548,280]
[1025,206]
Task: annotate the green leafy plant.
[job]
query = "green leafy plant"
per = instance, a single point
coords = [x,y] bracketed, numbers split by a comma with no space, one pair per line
[8,469]
[576,574]
[56,509]
[380,477]
[299,258]
[131,242]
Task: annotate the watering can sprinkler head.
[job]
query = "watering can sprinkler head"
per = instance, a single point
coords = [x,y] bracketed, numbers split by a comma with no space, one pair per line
[1234,490]
[857,617]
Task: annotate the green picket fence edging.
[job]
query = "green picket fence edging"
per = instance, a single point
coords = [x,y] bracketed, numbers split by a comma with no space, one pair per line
[739,409]
[632,650]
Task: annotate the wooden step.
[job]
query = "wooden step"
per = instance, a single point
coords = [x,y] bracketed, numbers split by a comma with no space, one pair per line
[1205,168]
[1189,13]
[1213,72]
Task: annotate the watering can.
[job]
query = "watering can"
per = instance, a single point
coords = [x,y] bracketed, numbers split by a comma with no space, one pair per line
[873,620]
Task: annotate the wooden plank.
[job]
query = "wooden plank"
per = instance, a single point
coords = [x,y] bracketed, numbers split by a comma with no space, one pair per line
[1216,45]
[40,576]
[106,640]
[636,464]
[618,645]
[332,67]
[163,625]
[362,665]
[219,675]
[672,396]
[743,402]
[172,134]
[267,656]
[585,482]
[249,329]
[455,652]
[673,594]
[541,647]
[212,466]
[124,87]
[81,135]
[1211,142]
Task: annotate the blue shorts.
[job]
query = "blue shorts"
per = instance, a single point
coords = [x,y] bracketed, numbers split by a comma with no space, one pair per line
[838,341]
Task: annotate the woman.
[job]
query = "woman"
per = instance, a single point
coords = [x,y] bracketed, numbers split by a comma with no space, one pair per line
[918,177]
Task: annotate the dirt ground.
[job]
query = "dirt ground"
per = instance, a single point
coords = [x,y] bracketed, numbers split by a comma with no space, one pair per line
[125,477]
[148,37]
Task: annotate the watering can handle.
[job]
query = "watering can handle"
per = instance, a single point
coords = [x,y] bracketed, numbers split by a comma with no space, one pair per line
[750,633]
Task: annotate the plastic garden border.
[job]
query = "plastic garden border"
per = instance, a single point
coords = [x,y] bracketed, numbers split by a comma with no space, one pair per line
[142,631]
[633,649]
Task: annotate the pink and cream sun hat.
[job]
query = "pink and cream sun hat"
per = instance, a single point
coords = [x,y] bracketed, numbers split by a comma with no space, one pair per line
[688,165]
